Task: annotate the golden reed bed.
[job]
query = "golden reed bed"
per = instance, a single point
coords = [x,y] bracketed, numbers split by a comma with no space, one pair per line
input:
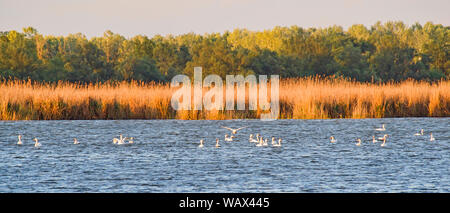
[307,98]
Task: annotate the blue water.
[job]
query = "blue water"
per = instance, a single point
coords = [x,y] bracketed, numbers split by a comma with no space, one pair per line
[165,156]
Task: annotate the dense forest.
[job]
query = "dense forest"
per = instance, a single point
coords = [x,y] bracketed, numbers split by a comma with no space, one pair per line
[391,51]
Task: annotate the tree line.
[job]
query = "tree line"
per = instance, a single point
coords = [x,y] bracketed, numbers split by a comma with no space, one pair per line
[390,51]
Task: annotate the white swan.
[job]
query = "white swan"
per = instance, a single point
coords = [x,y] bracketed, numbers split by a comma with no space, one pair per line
[36,144]
[201,144]
[75,141]
[380,129]
[273,141]
[20,140]
[332,140]
[359,142]
[257,138]
[279,143]
[116,140]
[431,137]
[260,143]
[120,140]
[419,134]
[233,131]
[217,143]
[384,141]
[228,138]
[373,139]
[265,142]
[252,140]
[130,140]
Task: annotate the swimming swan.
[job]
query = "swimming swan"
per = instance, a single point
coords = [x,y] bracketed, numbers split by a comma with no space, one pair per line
[419,134]
[120,140]
[279,143]
[373,139]
[252,140]
[381,129]
[431,137]
[228,138]
[265,142]
[36,144]
[75,141]
[384,141]
[233,131]
[20,140]
[332,140]
[201,144]
[359,142]
[217,143]
[130,140]
[260,143]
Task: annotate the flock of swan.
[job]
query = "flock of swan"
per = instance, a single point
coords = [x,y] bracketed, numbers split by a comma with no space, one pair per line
[259,140]
[119,141]
[36,142]
[384,138]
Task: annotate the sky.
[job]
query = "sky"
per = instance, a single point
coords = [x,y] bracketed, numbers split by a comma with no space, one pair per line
[151,17]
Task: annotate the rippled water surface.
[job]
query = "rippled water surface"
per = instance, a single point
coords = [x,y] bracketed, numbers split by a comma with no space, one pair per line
[165,156]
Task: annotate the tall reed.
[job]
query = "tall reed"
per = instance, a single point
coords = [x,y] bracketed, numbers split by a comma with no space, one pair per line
[305,98]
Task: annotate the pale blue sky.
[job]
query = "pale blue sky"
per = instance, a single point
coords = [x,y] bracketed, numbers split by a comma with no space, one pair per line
[150,17]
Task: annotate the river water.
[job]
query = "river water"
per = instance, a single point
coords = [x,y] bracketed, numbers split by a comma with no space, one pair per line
[165,156]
